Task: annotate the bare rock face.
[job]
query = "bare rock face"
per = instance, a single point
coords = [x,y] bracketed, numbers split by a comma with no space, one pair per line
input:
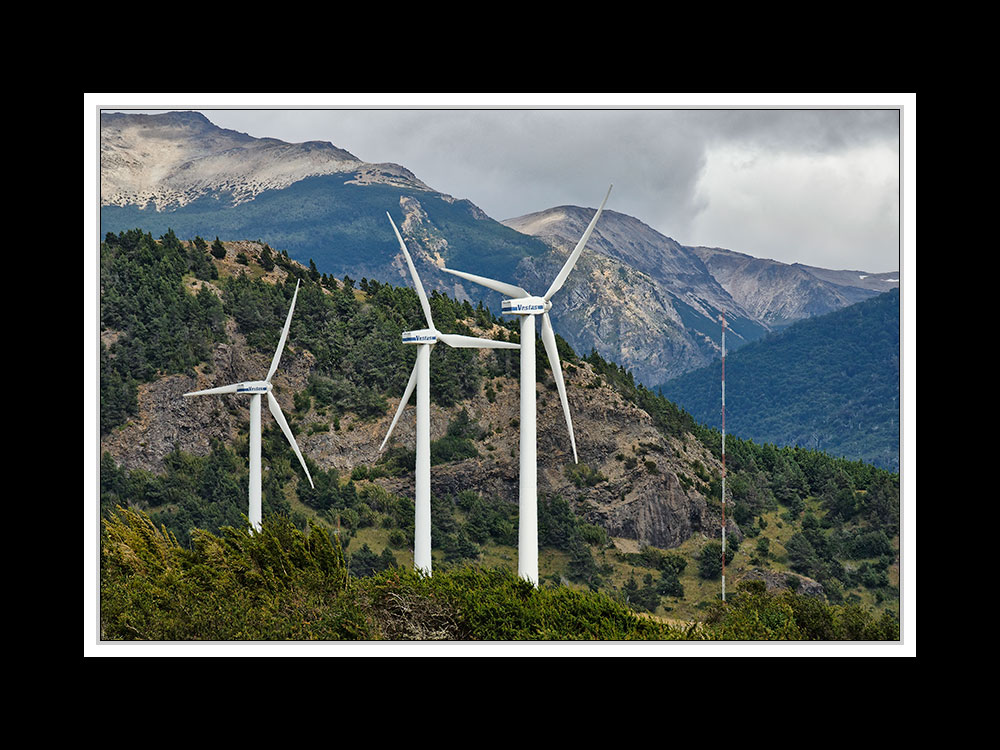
[656,511]
[634,294]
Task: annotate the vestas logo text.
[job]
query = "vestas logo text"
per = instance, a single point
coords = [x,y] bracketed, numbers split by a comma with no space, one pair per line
[252,389]
[515,307]
[407,339]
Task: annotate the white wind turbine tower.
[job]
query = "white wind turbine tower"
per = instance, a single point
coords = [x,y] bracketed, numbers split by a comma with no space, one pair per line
[528,307]
[255,388]
[420,378]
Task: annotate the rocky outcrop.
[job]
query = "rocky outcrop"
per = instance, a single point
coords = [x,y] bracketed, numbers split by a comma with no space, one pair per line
[775,581]
[167,420]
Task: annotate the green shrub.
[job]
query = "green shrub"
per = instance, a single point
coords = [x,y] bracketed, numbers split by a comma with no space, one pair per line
[583,476]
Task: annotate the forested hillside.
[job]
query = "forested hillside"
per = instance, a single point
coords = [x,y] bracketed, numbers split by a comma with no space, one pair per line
[830,383]
[804,520]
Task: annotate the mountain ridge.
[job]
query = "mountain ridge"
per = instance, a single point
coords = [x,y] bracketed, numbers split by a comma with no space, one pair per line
[779,293]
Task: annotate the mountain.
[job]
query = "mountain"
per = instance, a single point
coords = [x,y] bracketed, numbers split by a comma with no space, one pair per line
[779,293]
[829,383]
[636,297]
[173,159]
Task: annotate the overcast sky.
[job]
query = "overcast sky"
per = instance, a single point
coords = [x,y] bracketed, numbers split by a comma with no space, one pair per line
[815,186]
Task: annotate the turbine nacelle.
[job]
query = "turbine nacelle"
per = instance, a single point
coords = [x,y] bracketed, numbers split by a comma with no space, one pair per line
[525,306]
[423,336]
[254,386]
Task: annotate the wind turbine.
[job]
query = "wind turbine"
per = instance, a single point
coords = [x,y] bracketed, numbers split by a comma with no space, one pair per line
[256,388]
[420,378]
[529,307]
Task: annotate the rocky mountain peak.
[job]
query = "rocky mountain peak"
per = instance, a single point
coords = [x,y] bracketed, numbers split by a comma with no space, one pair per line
[171,159]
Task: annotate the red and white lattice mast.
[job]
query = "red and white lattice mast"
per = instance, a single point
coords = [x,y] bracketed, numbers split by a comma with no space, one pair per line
[723,457]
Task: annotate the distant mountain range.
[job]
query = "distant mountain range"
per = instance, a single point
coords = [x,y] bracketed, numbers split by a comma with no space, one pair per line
[637,297]
[829,383]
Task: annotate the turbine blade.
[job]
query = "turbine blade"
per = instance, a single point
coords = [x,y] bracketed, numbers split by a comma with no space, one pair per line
[549,340]
[573,256]
[284,335]
[208,391]
[509,290]
[413,272]
[468,342]
[402,405]
[272,404]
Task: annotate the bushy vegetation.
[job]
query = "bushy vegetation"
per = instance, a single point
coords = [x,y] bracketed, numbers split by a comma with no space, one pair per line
[648,597]
[857,510]
[754,614]
[206,492]
[288,584]
[459,442]
[283,584]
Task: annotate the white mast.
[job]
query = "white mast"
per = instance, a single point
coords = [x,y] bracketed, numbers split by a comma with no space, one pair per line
[528,307]
[420,378]
[527,489]
[723,457]
[256,389]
